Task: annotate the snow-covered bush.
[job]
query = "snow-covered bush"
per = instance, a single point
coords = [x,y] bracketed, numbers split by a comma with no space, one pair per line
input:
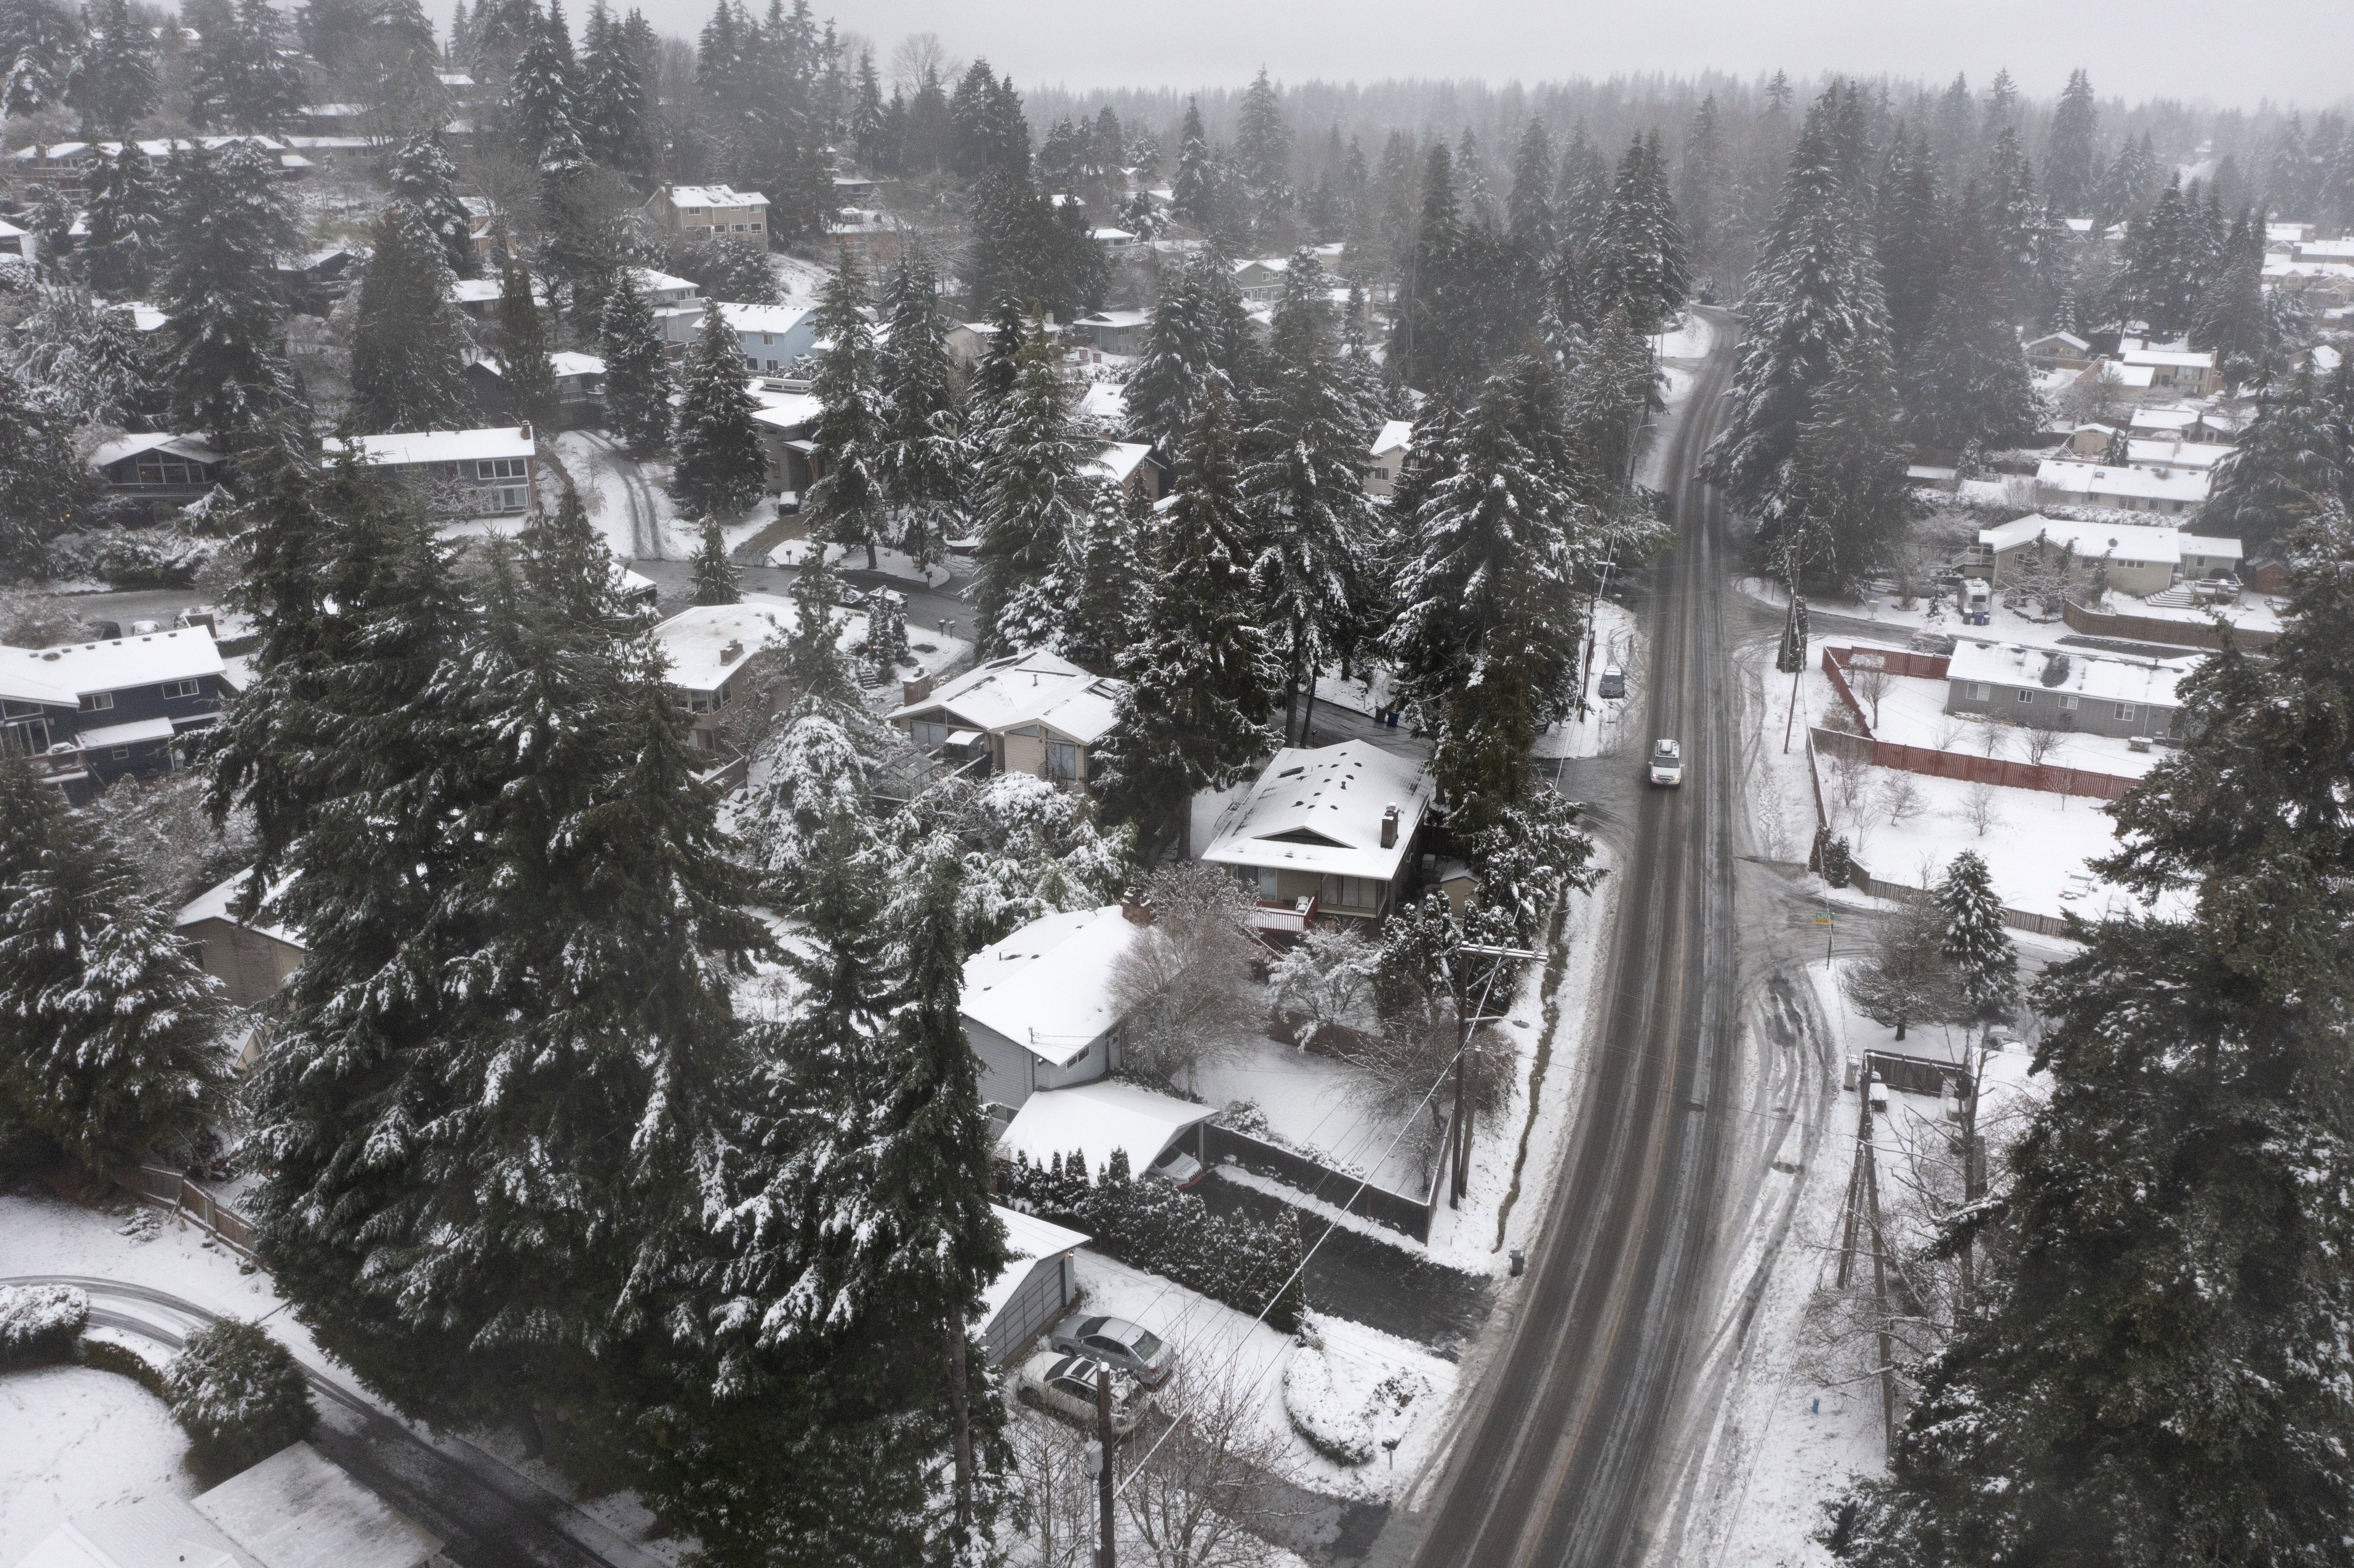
[238,1395]
[1346,1406]
[40,1323]
[164,556]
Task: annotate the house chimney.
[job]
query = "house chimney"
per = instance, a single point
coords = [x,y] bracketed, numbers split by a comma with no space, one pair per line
[915,690]
[729,654]
[1136,906]
[527,429]
[1389,828]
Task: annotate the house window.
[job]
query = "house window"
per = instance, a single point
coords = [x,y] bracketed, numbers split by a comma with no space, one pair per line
[181,688]
[1380,473]
[511,498]
[119,753]
[1062,761]
[1981,692]
[499,468]
[1267,882]
[928,732]
[2126,713]
[1352,893]
[2025,697]
[2067,703]
[96,702]
[756,229]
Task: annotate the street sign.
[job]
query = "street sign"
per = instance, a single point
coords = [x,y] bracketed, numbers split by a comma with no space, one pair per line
[1822,920]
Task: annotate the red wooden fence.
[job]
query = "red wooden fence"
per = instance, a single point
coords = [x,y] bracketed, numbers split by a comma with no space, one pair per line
[1936,764]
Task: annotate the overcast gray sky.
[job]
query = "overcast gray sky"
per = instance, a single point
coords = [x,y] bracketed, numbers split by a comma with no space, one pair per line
[2236,52]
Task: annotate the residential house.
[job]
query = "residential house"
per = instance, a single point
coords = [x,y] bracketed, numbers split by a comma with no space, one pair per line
[312,282]
[2321,284]
[162,471]
[1385,459]
[662,289]
[2059,351]
[1105,404]
[1035,1288]
[1260,279]
[1099,1121]
[15,242]
[2091,441]
[462,473]
[2093,693]
[2168,492]
[874,237]
[92,713]
[250,956]
[1115,331]
[710,210]
[2122,380]
[775,340]
[1034,713]
[2136,560]
[486,229]
[2161,455]
[706,649]
[1116,243]
[1039,1007]
[2180,422]
[477,299]
[1326,831]
[2210,556]
[968,341]
[784,422]
[579,389]
[853,188]
[2188,371]
[1128,466]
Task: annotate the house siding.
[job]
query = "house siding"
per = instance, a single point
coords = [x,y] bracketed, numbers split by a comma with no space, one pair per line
[249,965]
[1036,1304]
[2091,716]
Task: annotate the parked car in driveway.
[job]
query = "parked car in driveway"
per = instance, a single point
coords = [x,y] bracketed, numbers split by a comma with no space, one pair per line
[1179,1169]
[1065,1385]
[1123,1346]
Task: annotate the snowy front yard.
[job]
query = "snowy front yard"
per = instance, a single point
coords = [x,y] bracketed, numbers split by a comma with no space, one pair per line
[78,1440]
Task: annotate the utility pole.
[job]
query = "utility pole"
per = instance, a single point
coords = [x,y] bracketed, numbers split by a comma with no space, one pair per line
[1460,1170]
[1103,1468]
[1793,639]
[1880,1303]
[1855,1173]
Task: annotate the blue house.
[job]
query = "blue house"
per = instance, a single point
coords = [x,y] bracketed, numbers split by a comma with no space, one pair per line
[91,713]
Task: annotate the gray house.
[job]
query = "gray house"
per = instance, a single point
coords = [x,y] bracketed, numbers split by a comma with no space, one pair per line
[91,713]
[2091,694]
[1038,1007]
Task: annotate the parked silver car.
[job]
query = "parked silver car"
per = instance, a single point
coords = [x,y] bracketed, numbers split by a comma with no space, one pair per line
[1067,1385]
[1123,1346]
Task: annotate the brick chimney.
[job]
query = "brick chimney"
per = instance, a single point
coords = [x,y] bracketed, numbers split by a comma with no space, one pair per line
[915,690]
[1389,828]
[1136,906]
[729,654]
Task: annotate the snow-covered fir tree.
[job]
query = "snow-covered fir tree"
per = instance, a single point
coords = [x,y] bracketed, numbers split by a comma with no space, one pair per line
[716,579]
[1641,259]
[2291,460]
[1976,943]
[45,486]
[110,1027]
[408,343]
[245,79]
[614,96]
[1098,586]
[1203,680]
[124,247]
[113,82]
[1305,495]
[223,349]
[1969,379]
[527,368]
[925,459]
[1843,494]
[637,376]
[423,176]
[1199,334]
[1035,491]
[846,503]
[717,469]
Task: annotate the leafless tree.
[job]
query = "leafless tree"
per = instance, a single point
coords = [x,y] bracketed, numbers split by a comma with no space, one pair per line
[1979,805]
[1870,683]
[2038,741]
[1326,978]
[1217,1485]
[1991,739]
[162,827]
[30,618]
[1050,1473]
[918,54]
[1900,798]
[1185,986]
[1949,730]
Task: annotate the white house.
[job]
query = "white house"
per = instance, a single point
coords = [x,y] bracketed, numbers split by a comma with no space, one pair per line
[1038,1008]
[1098,1120]
[2168,491]
[775,340]
[1034,713]
[2185,370]
[466,473]
[1385,459]
[705,648]
[1326,831]
[2138,560]
[2158,454]
[711,210]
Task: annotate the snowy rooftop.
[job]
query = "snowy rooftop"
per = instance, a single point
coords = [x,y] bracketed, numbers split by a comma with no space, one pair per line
[2308,267]
[646,280]
[1109,236]
[2139,484]
[1397,435]
[214,903]
[1048,986]
[2167,419]
[298,1509]
[435,446]
[2326,249]
[2180,359]
[2176,454]
[1122,319]
[1105,400]
[193,447]
[2091,675]
[1322,812]
[1028,688]
[564,361]
[763,318]
[2114,541]
[787,410]
[1098,1120]
[1118,460]
[62,675]
[696,641]
[2059,339]
[473,291]
[715,196]
[1027,1239]
[156,1533]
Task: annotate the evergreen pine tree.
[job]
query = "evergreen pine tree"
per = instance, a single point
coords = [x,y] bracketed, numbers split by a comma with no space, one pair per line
[423,176]
[1419,342]
[408,343]
[526,369]
[2232,321]
[245,79]
[1305,496]
[1201,680]
[223,352]
[1263,158]
[2289,464]
[1528,208]
[1199,334]
[2072,157]
[1969,379]
[1193,190]
[109,1042]
[1916,248]
[1099,582]
[1977,945]
[1844,497]
[1034,492]
[637,376]
[1908,981]
[544,97]
[113,83]
[718,468]
[120,256]
[924,462]
[45,485]
[614,99]
[846,503]
[715,577]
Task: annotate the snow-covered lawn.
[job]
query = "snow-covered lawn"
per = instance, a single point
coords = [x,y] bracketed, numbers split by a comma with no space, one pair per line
[2003,625]
[1692,339]
[78,1440]
[1318,1105]
[1912,712]
[800,280]
[888,562]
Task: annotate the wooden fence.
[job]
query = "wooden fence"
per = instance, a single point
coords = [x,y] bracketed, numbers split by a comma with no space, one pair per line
[2155,628]
[168,1189]
[1933,763]
[1350,1192]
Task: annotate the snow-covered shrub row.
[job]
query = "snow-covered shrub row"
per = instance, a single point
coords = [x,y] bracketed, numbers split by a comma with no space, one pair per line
[1345,1406]
[238,1395]
[40,1323]
[1149,1224]
[164,556]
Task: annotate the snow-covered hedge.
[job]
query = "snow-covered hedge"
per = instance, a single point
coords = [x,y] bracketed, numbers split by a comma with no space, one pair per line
[238,1395]
[40,1323]
[1149,1224]
[1346,1406]
[166,555]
